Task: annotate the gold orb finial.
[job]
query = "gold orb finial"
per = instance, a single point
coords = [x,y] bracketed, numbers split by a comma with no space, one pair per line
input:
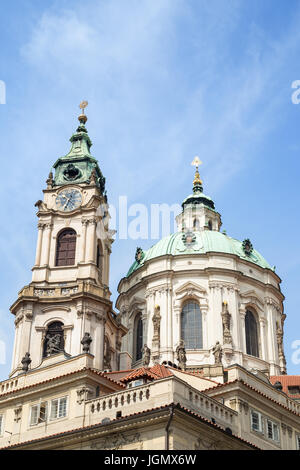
[82,106]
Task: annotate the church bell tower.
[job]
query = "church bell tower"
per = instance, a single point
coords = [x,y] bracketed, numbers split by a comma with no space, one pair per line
[66,309]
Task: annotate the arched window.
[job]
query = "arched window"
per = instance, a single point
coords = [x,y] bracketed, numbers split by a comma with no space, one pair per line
[209,225]
[66,247]
[191,325]
[54,339]
[196,224]
[138,337]
[251,334]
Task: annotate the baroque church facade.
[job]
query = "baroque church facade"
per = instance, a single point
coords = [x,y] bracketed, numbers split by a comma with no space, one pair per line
[193,360]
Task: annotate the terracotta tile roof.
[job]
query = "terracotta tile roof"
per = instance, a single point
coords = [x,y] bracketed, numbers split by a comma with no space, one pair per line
[154,373]
[94,371]
[255,390]
[286,382]
[161,371]
[123,418]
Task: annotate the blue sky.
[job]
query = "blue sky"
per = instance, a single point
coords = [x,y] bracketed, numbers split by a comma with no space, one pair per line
[166,80]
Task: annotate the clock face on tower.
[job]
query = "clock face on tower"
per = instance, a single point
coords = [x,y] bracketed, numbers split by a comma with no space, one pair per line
[68,200]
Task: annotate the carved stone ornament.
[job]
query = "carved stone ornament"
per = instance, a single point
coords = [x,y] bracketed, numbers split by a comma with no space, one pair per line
[189,238]
[82,394]
[53,344]
[247,247]
[205,444]
[139,255]
[218,353]
[226,317]
[146,355]
[107,356]
[86,342]
[116,441]
[181,355]
[26,361]
[18,413]
[50,180]
[93,178]
[156,319]
[281,355]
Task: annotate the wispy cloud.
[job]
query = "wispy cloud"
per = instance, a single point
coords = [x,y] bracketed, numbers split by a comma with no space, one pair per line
[164,84]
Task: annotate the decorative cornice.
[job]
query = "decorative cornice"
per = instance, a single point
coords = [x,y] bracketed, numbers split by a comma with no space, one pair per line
[190,287]
[56,307]
[223,285]
[276,305]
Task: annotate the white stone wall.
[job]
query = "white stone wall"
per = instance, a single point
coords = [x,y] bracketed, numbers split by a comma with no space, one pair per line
[57,293]
[209,279]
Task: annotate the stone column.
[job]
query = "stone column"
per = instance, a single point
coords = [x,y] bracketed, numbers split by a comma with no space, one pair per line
[83,240]
[99,340]
[26,333]
[177,325]
[106,263]
[272,340]
[91,240]
[237,326]
[263,339]
[164,328]
[18,335]
[215,326]
[39,244]
[243,328]
[150,309]
[204,310]
[68,340]
[46,244]
[170,325]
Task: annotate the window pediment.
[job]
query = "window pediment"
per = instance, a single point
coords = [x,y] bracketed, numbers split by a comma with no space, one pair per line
[250,298]
[190,289]
[137,304]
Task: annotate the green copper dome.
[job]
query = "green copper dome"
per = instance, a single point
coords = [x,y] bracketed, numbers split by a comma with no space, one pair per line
[203,242]
[78,166]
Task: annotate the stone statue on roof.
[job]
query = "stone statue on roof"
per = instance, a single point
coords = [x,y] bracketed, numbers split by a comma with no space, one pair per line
[181,355]
[146,355]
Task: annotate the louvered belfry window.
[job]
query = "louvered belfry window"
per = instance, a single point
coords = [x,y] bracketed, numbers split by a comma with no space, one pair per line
[66,248]
[251,334]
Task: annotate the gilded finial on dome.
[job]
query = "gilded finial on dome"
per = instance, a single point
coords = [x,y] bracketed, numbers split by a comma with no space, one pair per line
[197,180]
[82,118]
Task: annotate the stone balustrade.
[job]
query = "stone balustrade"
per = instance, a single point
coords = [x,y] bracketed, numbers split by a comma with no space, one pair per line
[8,386]
[158,393]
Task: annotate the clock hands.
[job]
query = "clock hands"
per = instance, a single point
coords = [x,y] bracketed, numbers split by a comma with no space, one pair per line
[68,200]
